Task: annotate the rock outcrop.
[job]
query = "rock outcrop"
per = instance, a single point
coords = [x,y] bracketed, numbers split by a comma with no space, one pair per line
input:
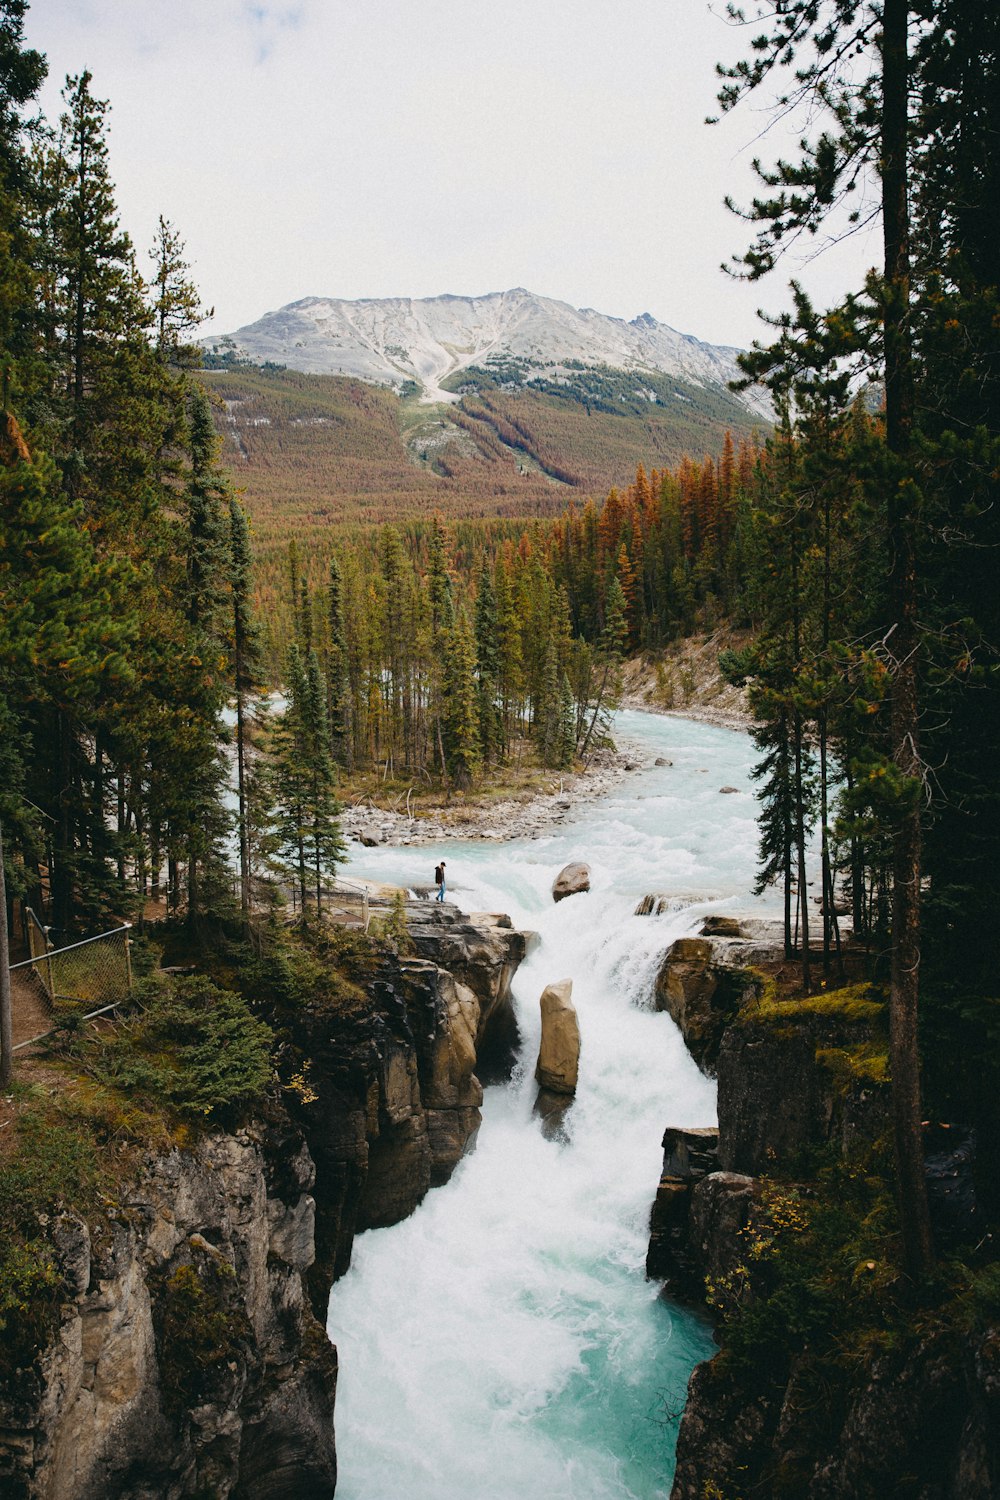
[558,1063]
[719,926]
[918,1414]
[688,1157]
[191,1358]
[923,1421]
[397,1080]
[187,1360]
[481,951]
[702,995]
[790,1083]
[571,881]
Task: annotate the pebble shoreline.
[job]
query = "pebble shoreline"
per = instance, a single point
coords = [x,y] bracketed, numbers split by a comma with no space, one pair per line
[503,821]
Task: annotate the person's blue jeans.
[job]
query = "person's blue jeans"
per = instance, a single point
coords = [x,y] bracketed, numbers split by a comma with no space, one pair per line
[440,894]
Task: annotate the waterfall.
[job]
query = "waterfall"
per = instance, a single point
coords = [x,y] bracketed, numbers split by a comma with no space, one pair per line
[503,1341]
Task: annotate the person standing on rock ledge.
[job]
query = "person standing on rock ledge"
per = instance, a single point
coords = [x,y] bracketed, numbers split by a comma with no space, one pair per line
[439,880]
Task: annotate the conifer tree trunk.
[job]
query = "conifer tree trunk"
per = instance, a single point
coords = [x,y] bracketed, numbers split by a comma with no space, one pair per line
[242,791]
[193,895]
[59,876]
[6,1026]
[139,817]
[800,811]
[904,986]
[303,867]
[800,846]
[155,860]
[789,946]
[829,917]
[122,821]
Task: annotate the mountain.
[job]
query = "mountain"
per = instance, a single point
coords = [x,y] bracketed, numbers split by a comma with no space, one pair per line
[476,409]
[516,337]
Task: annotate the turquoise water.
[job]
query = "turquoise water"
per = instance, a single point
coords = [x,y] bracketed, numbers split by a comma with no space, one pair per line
[503,1341]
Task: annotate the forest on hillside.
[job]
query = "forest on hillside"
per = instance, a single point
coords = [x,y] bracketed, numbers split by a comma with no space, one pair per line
[313,454]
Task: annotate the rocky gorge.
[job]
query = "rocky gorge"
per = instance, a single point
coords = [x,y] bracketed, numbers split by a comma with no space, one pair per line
[190,1357]
[840,1408]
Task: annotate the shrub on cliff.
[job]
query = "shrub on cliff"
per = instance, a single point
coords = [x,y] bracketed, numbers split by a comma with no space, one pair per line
[52,1163]
[202,1334]
[192,1046]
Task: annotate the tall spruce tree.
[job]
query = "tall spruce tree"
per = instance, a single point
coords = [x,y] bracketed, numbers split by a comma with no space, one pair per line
[852,63]
[459,717]
[488,666]
[246,675]
[337,670]
[305,828]
[177,308]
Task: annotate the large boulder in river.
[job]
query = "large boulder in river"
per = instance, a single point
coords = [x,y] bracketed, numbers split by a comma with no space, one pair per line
[716,926]
[559,1054]
[570,881]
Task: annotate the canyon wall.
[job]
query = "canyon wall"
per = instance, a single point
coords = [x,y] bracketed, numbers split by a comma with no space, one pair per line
[917,1412]
[191,1357]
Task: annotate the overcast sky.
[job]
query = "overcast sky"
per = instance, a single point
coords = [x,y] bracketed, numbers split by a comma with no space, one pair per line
[373,148]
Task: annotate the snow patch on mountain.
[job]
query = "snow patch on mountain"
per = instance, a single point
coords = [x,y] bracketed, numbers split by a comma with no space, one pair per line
[393,340]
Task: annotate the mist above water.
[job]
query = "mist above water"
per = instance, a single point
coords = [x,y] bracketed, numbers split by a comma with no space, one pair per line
[503,1341]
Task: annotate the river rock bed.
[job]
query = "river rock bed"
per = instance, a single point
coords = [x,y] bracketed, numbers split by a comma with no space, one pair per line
[525,817]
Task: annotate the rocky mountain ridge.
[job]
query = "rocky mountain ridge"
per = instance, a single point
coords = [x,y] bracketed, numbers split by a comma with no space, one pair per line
[429,341]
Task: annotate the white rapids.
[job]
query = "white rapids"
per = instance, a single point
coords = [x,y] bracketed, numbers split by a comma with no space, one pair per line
[503,1342]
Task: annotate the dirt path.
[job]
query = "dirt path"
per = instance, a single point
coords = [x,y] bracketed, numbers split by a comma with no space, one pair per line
[29,1008]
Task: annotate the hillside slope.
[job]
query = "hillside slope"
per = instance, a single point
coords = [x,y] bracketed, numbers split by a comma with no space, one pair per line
[314,452]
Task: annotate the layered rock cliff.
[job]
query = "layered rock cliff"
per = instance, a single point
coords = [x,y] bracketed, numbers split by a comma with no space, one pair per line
[829,1384]
[190,1357]
[187,1360]
[396,1082]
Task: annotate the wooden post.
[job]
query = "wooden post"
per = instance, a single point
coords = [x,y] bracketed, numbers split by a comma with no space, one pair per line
[6,1028]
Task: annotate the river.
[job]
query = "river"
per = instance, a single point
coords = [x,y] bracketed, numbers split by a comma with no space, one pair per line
[502,1342]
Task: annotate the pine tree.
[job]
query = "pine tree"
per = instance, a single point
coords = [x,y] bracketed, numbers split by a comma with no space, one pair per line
[866,103]
[459,718]
[548,723]
[566,740]
[304,819]
[208,569]
[176,304]
[325,841]
[290,778]
[488,666]
[337,674]
[64,636]
[22,71]
[246,675]
[510,654]
[100,307]
[611,647]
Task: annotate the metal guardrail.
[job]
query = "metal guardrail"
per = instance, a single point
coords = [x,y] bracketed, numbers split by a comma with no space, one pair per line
[96,971]
[357,885]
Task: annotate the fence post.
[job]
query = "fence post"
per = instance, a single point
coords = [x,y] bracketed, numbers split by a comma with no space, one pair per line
[128,957]
[6,1025]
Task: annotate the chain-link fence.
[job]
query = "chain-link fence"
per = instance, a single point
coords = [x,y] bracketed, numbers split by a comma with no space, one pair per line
[95,973]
